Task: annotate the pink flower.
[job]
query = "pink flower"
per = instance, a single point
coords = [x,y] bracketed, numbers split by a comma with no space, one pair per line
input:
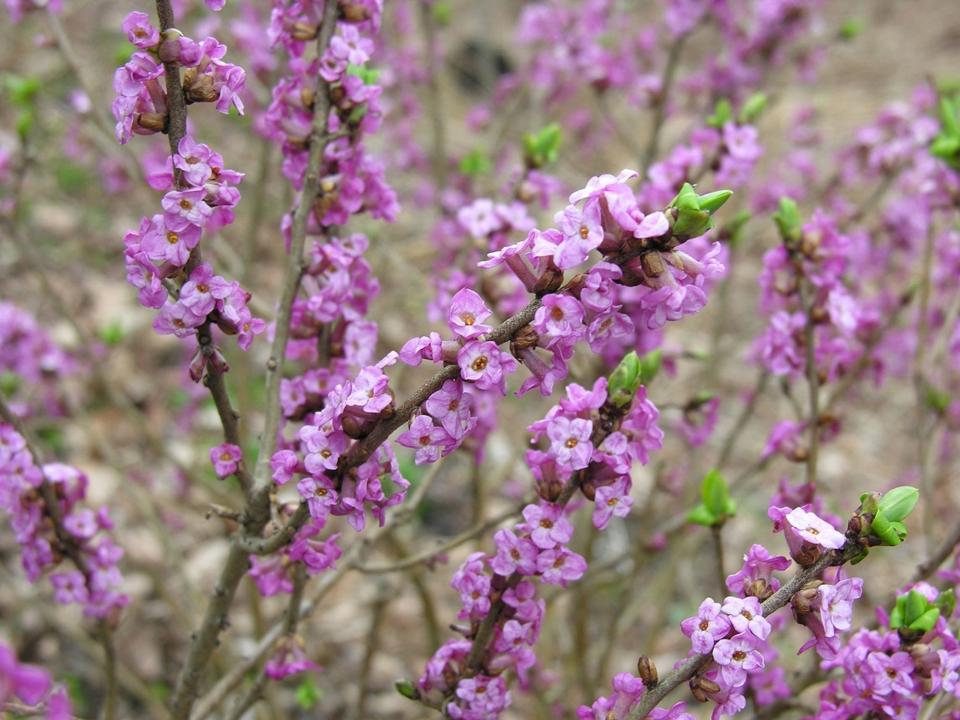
[467,313]
[429,440]
[226,459]
[746,615]
[514,554]
[737,657]
[558,566]
[708,626]
[570,441]
[547,525]
[610,501]
[483,364]
[803,528]
[140,32]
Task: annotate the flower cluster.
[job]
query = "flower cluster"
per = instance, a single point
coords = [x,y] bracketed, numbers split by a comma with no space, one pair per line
[46,534]
[890,672]
[538,546]
[31,685]
[29,356]
[328,320]
[162,254]
[351,180]
[161,249]
[140,106]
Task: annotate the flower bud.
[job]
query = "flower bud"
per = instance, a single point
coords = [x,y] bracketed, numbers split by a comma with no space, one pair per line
[304,31]
[549,281]
[647,671]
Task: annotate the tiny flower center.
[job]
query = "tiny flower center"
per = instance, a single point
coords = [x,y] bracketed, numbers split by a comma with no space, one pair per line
[739,656]
[424,439]
[172,237]
[186,204]
[192,161]
[612,501]
[454,404]
[704,625]
[468,319]
[515,554]
[225,456]
[203,287]
[556,314]
[480,364]
[584,232]
[325,453]
[571,442]
[546,523]
[813,531]
[747,615]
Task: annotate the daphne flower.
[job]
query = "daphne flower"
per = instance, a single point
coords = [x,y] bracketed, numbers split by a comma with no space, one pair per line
[467,313]
[737,657]
[570,441]
[708,626]
[746,616]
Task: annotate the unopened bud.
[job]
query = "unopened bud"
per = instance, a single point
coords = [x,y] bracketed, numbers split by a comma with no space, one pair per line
[154,122]
[304,31]
[647,671]
[549,281]
[524,339]
[803,600]
[354,12]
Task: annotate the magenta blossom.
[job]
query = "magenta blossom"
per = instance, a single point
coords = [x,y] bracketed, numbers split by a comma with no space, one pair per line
[226,459]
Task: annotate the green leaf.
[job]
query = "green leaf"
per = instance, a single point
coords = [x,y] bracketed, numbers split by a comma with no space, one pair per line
[753,108]
[369,75]
[915,606]
[886,530]
[788,219]
[22,90]
[475,163]
[624,381]
[896,615]
[650,366]
[543,147]
[937,400]
[112,333]
[701,516]
[442,12]
[711,202]
[926,621]
[722,114]
[308,694]
[715,494]
[850,28]
[9,383]
[406,688]
[898,503]
[947,602]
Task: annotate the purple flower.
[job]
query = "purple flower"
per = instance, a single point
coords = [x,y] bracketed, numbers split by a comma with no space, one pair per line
[547,525]
[483,364]
[803,530]
[737,657]
[467,313]
[226,458]
[320,495]
[758,567]
[284,464]
[610,501]
[558,566]
[559,320]
[746,616]
[570,441]
[836,604]
[183,208]
[28,683]
[708,626]
[513,554]
[140,32]
[429,440]
[451,407]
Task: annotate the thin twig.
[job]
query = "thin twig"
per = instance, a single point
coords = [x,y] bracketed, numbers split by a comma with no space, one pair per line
[660,104]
